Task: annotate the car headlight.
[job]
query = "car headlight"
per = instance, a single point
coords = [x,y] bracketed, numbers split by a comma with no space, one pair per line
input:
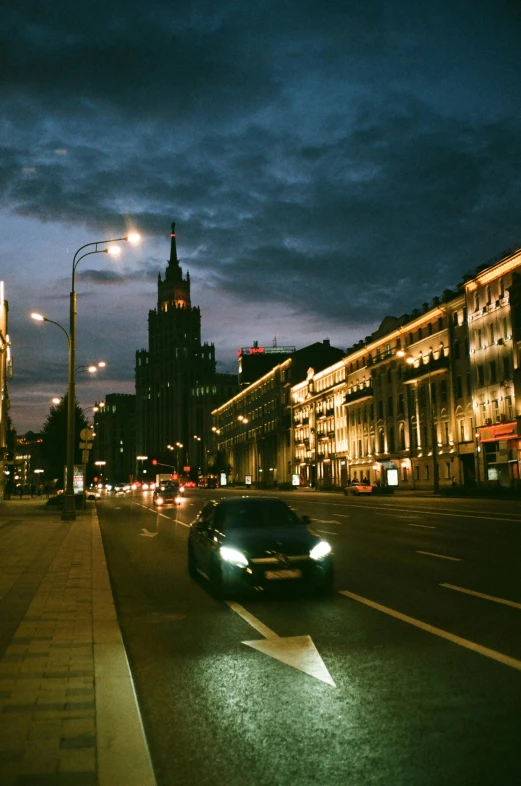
[181,489]
[234,557]
[178,499]
[321,550]
[159,500]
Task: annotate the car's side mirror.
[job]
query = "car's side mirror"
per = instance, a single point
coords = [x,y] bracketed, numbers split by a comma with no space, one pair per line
[305,519]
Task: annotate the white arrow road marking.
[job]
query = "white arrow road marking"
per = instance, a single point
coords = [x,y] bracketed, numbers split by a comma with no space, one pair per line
[470,645]
[146,534]
[296,651]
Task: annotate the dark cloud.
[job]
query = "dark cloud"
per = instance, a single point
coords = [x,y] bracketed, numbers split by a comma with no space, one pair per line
[326,163]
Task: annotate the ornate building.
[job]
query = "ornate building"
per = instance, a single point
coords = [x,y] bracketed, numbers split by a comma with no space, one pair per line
[176,382]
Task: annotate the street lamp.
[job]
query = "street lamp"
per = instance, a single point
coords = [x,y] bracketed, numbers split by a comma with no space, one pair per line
[92,368]
[434,437]
[142,459]
[69,507]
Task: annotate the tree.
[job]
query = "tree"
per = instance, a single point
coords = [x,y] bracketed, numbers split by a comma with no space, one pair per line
[54,433]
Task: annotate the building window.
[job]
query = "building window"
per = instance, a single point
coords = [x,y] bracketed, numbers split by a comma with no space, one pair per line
[390,405]
[481,375]
[495,409]
[501,288]
[469,385]
[462,430]
[455,319]
[456,350]
[492,337]
[493,372]
[417,472]
[429,328]
[427,472]
[447,470]
[506,367]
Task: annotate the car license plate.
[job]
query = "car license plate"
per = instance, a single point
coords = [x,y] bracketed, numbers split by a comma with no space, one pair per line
[283,574]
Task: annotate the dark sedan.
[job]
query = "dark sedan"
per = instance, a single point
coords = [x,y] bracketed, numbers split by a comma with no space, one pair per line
[167,494]
[257,543]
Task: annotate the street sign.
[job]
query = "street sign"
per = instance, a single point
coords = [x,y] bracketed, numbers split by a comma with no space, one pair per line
[86,434]
[86,445]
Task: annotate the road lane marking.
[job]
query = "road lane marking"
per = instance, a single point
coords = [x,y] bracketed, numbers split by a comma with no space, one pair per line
[419,510]
[440,556]
[299,652]
[506,660]
[424,526]
[163,515]
[342,515]
[326,532]
[482,595]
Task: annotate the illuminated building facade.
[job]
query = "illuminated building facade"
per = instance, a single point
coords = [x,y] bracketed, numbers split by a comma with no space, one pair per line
[400,400]
[254,427]
[433,395]
[5,372]
[494,324]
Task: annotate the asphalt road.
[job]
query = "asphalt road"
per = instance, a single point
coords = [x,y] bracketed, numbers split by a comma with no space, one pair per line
[415,660]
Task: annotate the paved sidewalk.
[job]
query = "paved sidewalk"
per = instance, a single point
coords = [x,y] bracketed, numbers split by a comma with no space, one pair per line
[68,711]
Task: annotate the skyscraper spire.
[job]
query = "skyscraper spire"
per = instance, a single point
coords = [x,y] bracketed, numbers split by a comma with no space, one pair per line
[173,249]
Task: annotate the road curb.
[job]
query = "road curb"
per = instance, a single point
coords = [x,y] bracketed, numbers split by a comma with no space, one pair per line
[122,750]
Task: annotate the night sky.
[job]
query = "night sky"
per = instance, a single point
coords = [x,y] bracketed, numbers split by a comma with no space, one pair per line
[326,164]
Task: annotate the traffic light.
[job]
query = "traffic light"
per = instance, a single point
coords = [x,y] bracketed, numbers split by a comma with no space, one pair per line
[154,462]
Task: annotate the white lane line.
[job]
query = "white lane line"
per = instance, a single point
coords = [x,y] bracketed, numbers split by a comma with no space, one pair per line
[440,556]
[443,634]
[163,515]
[482,595]
[326,532]
[423,512]
[424,526]
[342,515]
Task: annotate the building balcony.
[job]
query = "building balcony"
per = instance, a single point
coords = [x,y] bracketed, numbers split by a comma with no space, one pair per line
[359,394]
[434,366]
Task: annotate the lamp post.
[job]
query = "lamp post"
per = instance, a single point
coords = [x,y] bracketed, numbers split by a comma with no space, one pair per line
[434,438]
[141,459]
[69,506]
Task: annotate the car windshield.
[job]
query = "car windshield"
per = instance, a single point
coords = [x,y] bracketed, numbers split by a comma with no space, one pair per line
[254,514]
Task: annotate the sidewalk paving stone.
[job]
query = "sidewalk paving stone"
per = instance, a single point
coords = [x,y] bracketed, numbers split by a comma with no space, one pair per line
[56,613]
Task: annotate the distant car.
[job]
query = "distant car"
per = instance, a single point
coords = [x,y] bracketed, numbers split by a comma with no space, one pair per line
[357,487]
[190,484]
[121,488]
[167,494]
[256,543]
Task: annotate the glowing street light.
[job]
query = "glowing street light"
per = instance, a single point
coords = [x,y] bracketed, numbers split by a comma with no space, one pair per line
[69,507]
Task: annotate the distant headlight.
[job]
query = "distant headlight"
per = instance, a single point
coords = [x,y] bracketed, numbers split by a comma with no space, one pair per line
[178,500]
[234,557]
[320,551]
[159,500]
[181,489]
